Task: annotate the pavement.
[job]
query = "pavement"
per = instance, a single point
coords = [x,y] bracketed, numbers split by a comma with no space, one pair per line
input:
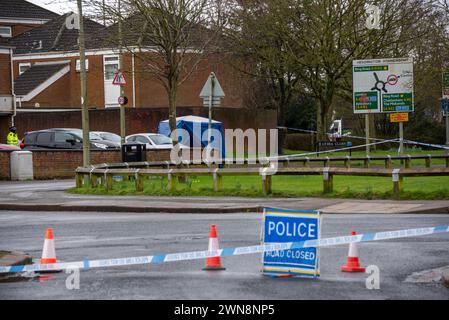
[97,235]
[50,196]
[13,258]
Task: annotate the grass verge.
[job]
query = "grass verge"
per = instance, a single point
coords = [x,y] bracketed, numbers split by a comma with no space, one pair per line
[420,188]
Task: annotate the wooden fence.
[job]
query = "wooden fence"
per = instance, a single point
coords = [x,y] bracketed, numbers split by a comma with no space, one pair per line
[287,167]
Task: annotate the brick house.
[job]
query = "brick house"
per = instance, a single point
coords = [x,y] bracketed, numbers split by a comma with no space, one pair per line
[19,16]
[16,17]
[39,70]
[46,74]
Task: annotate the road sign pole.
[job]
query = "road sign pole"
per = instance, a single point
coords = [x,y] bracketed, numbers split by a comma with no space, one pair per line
[447,127]
[401,138]
[367,134]
[211,97]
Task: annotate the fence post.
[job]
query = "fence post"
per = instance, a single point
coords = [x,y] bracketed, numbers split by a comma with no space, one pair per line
[307,162]
[139,181]
[388,162]
[328,181]
[170,181]
[397,183]
[93,180]
[108,181]
[366,162]
[79,180]
[217,181]
[408,162]
[429,161]
[266,184]
[327,162]
[348,162]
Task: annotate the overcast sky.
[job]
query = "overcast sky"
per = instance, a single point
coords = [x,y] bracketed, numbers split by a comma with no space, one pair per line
[58,6]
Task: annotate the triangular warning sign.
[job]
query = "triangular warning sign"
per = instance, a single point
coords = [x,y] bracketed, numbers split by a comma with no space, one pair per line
[119,79]
[215,89]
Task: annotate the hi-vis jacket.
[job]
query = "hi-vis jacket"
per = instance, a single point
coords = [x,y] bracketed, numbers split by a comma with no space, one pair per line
[12,139]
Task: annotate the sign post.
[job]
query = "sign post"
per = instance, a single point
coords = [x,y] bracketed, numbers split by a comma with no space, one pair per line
[284,226]
[400,118]
[445,103]
[211,95]
[382,86]
[120,80]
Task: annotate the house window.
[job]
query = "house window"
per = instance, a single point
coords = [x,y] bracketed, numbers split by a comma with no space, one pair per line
[78,65]
[24,67]
[111,66]
[5,32]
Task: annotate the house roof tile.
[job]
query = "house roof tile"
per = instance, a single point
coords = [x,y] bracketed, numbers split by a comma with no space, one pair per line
[35,76]
[21,9]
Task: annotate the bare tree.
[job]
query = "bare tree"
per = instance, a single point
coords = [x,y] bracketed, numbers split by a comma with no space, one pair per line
[169,37]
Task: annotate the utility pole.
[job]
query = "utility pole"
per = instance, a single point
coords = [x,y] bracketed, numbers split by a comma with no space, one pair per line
[120,63]
[83,86]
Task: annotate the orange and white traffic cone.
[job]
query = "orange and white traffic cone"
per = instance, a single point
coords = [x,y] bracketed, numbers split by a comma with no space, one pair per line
[49,252]
[213,263]
[353,263]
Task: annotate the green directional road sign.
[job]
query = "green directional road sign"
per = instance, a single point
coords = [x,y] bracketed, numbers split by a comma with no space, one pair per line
[383,85]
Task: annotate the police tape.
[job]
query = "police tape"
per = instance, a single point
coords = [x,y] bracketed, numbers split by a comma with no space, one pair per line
[226,252]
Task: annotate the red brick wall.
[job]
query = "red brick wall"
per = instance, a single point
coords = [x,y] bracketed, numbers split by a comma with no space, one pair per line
[65,92]
[62,164]
[5,74]
[5,173]
[150,93]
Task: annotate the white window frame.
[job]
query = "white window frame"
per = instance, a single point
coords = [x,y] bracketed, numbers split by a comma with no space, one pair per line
[116,60]
[6,35]
[78,65]
[28,64]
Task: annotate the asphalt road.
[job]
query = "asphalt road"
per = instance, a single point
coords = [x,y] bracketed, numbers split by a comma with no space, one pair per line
[111,235]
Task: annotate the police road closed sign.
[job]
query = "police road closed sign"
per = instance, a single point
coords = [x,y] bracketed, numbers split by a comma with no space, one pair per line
[281,226]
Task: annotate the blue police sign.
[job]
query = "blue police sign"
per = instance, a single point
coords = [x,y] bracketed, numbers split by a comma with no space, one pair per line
[284,226]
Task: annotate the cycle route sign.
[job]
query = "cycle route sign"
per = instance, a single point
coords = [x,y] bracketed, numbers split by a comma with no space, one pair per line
[383,85]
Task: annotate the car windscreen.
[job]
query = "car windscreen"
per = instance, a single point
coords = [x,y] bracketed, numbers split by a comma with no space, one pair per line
[30,138]
[160,139]
[111,137]
[94,136]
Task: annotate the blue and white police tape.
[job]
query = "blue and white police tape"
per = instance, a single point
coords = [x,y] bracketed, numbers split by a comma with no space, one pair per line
[226,252]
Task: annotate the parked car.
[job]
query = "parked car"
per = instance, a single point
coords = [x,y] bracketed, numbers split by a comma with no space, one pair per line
[152,140]
[8,147]
[108,136]
[63,139]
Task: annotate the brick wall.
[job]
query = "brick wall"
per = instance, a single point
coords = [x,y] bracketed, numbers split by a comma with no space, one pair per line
[65,93]
[5,74]
[62,163]
[5,173]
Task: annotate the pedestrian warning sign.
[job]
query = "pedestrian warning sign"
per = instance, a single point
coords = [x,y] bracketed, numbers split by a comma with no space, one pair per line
[291,226]
[119,79]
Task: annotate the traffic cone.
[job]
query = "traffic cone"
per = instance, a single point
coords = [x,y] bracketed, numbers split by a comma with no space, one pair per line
[213,263]
[353,264]
[48,252]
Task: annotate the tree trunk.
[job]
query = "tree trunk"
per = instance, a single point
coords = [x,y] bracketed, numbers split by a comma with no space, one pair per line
[172,111]
[321,121]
